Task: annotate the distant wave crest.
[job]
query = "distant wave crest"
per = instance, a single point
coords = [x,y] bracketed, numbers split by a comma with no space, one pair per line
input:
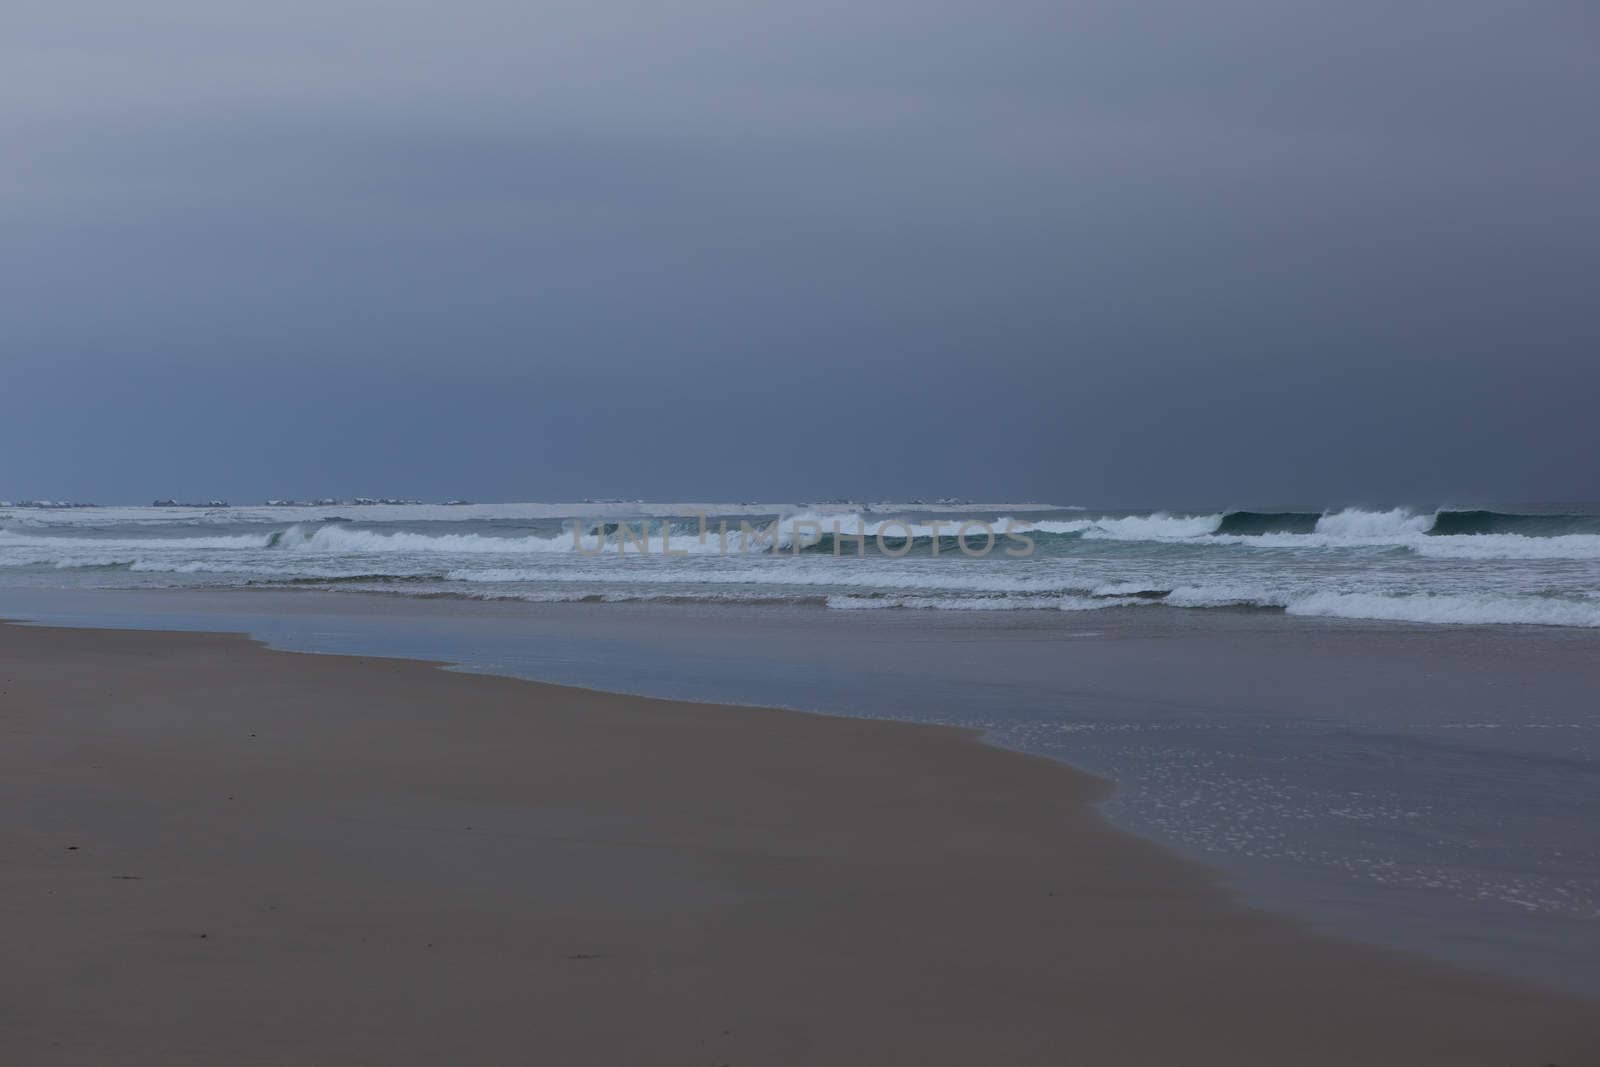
[1404,565]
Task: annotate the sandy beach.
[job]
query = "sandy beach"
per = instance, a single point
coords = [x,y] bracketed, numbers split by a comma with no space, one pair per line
[218,853]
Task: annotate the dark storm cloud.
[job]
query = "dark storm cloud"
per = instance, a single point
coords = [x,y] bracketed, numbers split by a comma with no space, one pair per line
[1154,253]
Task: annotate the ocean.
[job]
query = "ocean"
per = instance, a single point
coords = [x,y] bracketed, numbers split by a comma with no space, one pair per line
[1536,566]
[1380,720]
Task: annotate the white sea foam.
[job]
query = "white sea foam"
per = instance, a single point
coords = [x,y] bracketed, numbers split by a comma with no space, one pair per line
[1157,527]
[1508,546]
[780,572]
[344,540]
[636,538]
[945,603]
[1465,546]
[13,539]
[1429,608]
[1355,563]
[1356,525]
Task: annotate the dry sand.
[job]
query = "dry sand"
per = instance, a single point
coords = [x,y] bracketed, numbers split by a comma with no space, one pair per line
[218,854]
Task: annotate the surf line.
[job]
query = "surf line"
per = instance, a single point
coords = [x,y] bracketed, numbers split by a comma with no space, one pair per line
[974,538]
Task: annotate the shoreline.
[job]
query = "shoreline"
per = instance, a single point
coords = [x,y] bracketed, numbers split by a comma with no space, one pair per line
[407,863]
[1098,702]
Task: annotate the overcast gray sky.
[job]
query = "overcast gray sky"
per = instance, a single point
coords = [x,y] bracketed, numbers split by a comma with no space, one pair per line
[1231,253]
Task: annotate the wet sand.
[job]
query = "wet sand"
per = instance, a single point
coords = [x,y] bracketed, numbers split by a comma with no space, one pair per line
[219,854]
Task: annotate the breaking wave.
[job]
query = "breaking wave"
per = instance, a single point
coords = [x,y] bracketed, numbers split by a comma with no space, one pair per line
[1442,534]
[1449,566]
[1439,535]
[1348,522]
